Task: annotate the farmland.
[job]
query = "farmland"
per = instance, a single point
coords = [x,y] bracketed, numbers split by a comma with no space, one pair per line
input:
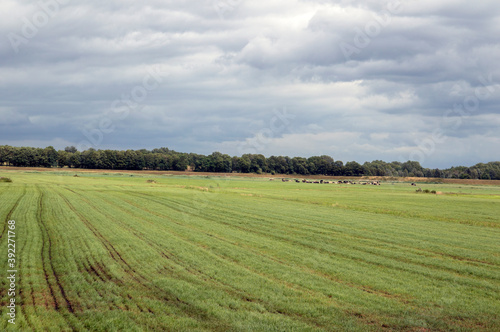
[132,252]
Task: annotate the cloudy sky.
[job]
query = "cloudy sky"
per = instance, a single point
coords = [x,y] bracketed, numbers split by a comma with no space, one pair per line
[356,80]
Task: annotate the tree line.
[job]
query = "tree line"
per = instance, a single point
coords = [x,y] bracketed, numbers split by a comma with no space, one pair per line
[164,159]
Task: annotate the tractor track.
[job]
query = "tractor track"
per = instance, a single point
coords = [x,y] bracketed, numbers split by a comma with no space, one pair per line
[47,239]
[135,233]
[144,282]
[238,293]
[9,214]
[115,255]
[21,295]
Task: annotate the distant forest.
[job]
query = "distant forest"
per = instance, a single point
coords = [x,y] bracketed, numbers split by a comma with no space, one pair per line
[165,159]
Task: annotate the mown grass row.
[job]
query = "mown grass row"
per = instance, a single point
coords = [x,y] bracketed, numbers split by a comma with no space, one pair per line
[112,254]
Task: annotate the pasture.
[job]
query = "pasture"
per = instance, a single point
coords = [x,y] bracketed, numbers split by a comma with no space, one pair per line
[116,252]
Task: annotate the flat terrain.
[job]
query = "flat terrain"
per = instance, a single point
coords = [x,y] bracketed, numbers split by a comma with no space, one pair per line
[253,175]
[116,251]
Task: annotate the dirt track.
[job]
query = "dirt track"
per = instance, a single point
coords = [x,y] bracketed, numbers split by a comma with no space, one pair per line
[251,175]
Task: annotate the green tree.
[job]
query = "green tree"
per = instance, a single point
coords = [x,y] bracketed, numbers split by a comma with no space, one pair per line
[352,168]
[50,156]
[62,158]
[70,149]
[6,154]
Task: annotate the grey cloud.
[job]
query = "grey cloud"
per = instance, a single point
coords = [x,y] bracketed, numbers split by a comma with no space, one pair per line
[223,77]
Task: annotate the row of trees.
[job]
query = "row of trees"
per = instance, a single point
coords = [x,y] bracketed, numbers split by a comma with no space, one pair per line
[166,159]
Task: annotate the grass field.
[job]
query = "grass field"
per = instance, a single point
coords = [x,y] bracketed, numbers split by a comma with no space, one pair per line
[116,252]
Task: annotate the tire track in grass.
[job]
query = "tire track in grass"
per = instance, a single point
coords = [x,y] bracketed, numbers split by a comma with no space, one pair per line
[140,279]
[20,275]
[9,214]
[46,274]
[202,314]
[99,271]
[84,266]
[161,250]
[92,274]
[96,271]
[114,254]
[21,278]
[292,286]
[238,293]
[242,295]
[46,238]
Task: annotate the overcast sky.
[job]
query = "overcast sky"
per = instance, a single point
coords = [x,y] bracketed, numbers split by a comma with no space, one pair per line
[356,80]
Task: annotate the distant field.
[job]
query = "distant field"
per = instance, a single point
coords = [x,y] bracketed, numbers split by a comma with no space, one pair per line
[116,251]
[253,175]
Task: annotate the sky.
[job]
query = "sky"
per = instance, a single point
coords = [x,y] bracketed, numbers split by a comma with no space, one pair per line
[355,80]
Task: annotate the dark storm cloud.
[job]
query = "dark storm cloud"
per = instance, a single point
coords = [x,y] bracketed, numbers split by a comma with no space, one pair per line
[224,68]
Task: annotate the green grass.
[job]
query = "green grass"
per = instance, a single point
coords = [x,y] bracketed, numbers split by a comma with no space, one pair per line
[114,252]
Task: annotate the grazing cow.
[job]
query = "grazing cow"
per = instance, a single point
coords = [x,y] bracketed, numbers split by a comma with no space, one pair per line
[298,181]
[414,184]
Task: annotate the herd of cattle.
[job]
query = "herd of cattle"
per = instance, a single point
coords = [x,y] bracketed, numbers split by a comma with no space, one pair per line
[374,183]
